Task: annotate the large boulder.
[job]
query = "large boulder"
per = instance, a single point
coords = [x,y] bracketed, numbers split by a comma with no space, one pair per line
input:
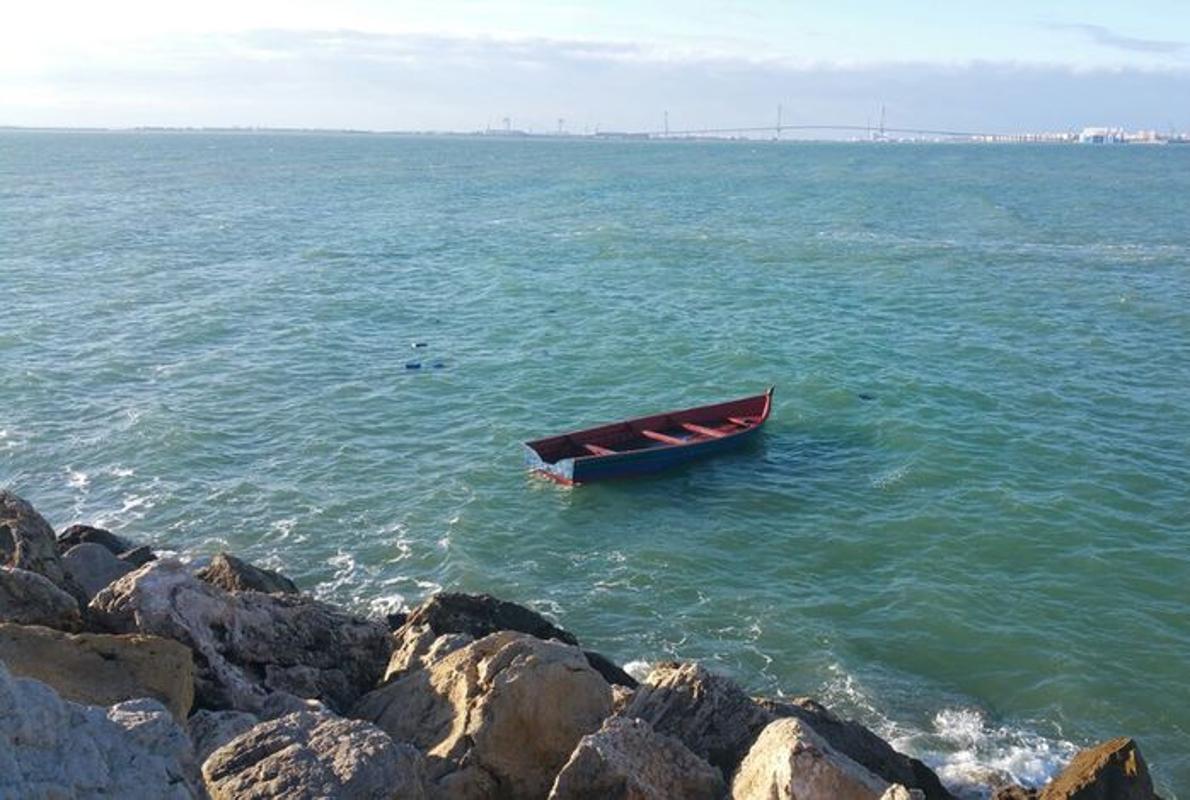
[627,760]
[250,644]
[478,615]
[862,746]
[497,718]
[80,534]
[236,575]
[210,730]
[709,713]
[1112,770]
[101,669]
[32,599]
[315,755]
[92,566]
[417,647]
[789,761]
[53,748]
[27,540]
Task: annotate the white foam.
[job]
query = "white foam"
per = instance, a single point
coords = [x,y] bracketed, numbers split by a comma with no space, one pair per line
[122,472]
[638,669]
[77,478]
[969,754]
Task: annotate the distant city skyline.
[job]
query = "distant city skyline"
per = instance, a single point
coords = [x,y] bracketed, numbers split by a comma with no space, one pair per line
[463,65]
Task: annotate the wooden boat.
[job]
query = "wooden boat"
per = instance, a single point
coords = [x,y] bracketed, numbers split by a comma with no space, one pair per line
[648,444]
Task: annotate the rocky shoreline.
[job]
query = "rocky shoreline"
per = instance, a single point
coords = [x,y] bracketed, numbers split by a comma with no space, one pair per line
[123,674]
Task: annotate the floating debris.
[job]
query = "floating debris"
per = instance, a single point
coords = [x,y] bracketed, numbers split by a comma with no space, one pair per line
[866,396]
[416,345]
[439,365]
[412,365]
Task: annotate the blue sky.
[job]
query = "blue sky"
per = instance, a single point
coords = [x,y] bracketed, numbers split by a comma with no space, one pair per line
[463,64]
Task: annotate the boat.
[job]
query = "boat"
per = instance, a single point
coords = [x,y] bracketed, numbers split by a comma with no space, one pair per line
[648,444]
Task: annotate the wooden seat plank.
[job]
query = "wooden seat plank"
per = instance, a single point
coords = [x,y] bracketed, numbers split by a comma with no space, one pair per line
[661,437]
[711,432]
[741,421]
[596,450]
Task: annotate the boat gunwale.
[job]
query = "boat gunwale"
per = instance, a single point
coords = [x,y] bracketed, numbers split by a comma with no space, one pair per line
[767,396]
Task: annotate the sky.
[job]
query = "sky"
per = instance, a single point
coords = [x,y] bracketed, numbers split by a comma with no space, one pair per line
[1004,66]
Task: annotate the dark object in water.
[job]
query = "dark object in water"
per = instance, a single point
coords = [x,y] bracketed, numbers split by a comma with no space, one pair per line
[418,344]
[866,396]
[648,444]
[412,365]
[438,364]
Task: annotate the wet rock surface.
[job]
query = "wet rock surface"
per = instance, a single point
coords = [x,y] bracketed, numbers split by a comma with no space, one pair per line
[236,575]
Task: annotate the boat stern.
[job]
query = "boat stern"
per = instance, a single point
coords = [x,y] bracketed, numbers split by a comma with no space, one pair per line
[561,471]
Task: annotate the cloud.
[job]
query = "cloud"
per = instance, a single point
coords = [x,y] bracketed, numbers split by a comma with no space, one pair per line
[1109,38]
[346,78]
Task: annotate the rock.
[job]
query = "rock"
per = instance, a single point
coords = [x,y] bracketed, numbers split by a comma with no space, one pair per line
[899,792]
[100,669]
[610,671]
[92,566]
[32,599]
[80,534]
[707,712]
[138,556]
[1014,792]
[789,761]
[417,646]
[496,718]
[248,644]
[27,540]
[1112,770]
[210,730]
[478,615]
[627,760]
[862,746]
[308,755]
[53,748]
[621,697]
[236,575]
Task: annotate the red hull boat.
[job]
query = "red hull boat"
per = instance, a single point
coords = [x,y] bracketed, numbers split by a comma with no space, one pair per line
[648,444]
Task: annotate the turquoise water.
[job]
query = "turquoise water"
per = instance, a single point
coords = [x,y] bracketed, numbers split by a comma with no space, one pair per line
[966,523]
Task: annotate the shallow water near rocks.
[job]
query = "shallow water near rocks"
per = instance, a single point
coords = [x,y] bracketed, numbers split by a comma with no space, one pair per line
[966,522]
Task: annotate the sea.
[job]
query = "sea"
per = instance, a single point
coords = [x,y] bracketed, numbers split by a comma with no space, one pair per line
[967,523]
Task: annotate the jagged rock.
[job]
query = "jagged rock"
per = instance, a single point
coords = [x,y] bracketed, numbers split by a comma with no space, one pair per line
[627,760]
[101,669]
[308,755]
[610,671]
[79,534]
[899,792]
[236,575]
[478,615]
[1014,792]
[707,712]
[27,540]
[53,748]
[31,599]
[138,556]
[92,566]
[789,761]
[621,697]
[417,646]
[497,718]
[249,644]
[210,730]
[1112,770]
[862,746]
